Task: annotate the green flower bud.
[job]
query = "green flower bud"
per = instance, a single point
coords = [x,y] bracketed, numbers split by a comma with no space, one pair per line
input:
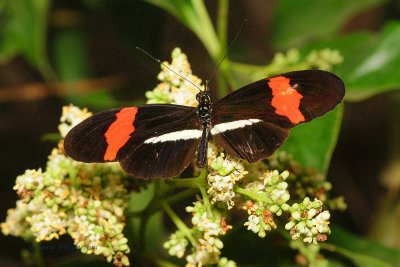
[301,225]
[282,186]
[125,261]
[285,197]
[311,213]
[296,215]
[285,207]
[124,248]
[262,233]
[285,175]
[290,225]
[274,208]
[218,243]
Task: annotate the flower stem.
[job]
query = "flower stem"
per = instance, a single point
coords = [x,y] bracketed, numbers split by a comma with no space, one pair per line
[181,195]
[191,182]
[178,222]
[187,182]
[37,254]
[252,195]
[206,201]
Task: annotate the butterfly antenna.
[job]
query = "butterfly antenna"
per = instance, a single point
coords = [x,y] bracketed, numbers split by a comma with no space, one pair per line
[159,61]
[227,50]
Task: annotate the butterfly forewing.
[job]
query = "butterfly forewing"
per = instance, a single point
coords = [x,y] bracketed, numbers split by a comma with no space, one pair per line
[87,142]
[253,121]
[149,141]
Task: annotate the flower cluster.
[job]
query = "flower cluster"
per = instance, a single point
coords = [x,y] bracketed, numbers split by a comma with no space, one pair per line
[268,196]
[174,89]
[208,225]
[71,116]
[85,201]
[309,221]
[206,245]
[323,59]
[303,181]
[176,244]
[224,172]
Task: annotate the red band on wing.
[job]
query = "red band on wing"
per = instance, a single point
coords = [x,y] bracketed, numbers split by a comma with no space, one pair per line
[119,132]
[286,100]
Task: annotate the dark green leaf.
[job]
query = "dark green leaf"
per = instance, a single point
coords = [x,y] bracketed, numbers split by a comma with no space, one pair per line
[24,32]
[297,21]
[371,61]
[70,55]
[312,144]
[155,235]
[193,15]
[361,251]
[95,101]
[140,200]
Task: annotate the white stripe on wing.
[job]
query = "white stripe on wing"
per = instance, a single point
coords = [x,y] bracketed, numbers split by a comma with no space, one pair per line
[232,125]
[175,136]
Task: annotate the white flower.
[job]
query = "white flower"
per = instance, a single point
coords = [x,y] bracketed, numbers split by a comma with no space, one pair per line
[71,116]
[321,221]
[253,223]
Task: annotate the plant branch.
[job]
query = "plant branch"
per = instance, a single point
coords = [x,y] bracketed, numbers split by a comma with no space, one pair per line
[178,222]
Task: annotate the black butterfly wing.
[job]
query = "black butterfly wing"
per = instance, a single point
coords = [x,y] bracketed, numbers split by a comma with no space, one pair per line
[250,139]
[149,141]
[254,121]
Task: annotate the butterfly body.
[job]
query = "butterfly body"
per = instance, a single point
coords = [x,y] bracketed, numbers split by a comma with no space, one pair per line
[204,112]
[160,140]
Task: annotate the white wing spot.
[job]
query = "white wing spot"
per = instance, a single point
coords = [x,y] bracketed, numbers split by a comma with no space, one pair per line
[175,136]
[232,125]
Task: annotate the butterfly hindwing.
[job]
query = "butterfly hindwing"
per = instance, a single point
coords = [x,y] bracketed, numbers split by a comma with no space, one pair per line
[149,140]
[255,139]
[253,121]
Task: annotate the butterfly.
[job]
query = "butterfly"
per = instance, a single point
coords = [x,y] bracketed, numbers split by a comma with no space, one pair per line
[161,140]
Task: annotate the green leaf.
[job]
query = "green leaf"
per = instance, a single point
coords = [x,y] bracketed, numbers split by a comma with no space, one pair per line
[155,232]
[379,70]
[361,251]
[371,61]
[298,21]
[312,144]
[70,55]
[194,15]
[24,32]
[140,200]
[95,101]
[71,63]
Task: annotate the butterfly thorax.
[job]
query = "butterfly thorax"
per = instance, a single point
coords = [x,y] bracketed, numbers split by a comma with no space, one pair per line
[204,109]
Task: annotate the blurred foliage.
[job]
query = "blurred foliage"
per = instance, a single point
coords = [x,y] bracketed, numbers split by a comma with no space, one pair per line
[371,66]
[300,22]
